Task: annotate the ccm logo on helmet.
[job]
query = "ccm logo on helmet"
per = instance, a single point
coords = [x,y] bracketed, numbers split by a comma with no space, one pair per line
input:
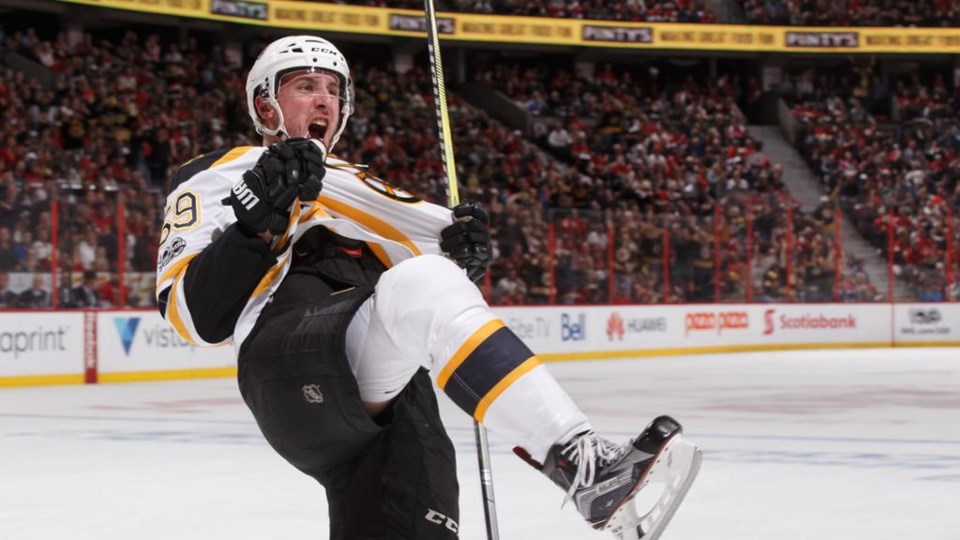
[325,50]
[245,196]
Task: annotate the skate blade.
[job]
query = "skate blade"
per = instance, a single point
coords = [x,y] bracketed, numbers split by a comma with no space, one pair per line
[675,467]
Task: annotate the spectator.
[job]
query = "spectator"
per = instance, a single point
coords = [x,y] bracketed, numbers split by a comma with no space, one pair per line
[22,241]
[510,290]
[65,292]
[8,256]
[109,292]
[774,285]
[43,248]
[85,295]
[86,250]
[8,298]
[559,142]
[36,297]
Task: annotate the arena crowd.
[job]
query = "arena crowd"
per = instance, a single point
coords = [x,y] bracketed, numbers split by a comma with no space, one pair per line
[631,187]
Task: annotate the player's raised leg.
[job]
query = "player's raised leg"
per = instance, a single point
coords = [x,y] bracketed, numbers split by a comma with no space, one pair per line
[493,376]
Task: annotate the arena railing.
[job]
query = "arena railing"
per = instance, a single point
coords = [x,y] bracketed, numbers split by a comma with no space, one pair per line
[749,248]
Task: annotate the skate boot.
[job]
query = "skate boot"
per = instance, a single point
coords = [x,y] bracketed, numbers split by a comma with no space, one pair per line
[602,478]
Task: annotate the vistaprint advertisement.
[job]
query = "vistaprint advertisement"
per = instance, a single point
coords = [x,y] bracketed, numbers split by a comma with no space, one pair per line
[141,341]
[34,344]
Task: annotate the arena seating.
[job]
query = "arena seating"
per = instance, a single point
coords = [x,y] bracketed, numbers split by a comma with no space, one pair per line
[664,170]
[691,11]
[897,175]
[928,13]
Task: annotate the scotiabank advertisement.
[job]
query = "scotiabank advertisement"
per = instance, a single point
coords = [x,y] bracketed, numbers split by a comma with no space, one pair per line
[33,343]
[830,324]
[136,341]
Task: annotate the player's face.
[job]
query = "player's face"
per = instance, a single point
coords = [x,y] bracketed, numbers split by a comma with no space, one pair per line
[310,102]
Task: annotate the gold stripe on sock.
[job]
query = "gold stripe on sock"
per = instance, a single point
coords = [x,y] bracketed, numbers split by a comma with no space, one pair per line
[501,386]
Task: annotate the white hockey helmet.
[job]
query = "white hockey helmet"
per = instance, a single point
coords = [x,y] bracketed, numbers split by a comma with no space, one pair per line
[296,53]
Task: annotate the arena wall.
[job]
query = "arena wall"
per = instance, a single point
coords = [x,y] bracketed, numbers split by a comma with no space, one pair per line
[74,347]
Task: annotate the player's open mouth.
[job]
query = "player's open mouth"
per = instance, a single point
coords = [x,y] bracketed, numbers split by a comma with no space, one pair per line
[317,130]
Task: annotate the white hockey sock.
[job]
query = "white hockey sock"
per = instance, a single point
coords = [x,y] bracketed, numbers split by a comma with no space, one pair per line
[426,312]
[495,378]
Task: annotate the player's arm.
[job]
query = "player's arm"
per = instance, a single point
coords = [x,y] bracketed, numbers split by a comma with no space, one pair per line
[218,282]
[207,266]
[462,233]
[204,293]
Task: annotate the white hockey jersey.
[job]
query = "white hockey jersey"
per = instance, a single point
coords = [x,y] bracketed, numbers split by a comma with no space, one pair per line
[395,224]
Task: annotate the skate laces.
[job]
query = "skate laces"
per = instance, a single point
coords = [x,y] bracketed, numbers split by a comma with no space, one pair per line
[590,453]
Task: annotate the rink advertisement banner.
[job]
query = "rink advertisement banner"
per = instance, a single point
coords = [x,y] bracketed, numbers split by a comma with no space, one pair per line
[38,347]
[140,344]
[331,17]
[622,331]
[115,346]
[573,332]
[922,324]
[830,324]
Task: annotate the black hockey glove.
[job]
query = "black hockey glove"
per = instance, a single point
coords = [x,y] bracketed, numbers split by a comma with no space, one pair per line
[312,159]
[262,200]
[467,240]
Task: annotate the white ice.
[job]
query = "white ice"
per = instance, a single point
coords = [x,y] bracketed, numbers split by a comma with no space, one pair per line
[820,445]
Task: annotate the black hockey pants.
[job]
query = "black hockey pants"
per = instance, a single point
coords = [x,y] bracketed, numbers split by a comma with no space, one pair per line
[393,477]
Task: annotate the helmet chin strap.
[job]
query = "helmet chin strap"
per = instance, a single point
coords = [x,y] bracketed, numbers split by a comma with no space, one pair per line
[281,129]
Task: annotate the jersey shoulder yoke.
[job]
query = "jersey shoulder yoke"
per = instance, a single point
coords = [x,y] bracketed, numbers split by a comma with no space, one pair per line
[205,162]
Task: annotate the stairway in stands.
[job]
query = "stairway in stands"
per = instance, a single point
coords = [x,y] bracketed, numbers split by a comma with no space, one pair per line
[805,187]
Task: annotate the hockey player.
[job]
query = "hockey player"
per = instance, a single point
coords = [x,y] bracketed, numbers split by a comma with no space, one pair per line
[341,293]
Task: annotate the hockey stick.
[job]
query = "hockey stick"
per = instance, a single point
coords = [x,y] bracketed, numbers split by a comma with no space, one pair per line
[440,99]
[453,198]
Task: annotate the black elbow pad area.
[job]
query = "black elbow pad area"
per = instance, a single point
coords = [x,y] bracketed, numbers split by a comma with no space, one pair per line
[219,282]
[162,301]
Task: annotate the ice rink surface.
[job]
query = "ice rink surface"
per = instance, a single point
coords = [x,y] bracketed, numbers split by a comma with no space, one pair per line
[819,445]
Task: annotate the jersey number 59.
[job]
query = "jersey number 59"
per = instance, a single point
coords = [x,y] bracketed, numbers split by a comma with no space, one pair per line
[181,216]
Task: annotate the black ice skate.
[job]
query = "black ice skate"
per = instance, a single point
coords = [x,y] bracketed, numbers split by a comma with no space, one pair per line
[602,479]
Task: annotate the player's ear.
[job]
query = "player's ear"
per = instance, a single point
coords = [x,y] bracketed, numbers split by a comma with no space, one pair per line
[265,110]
